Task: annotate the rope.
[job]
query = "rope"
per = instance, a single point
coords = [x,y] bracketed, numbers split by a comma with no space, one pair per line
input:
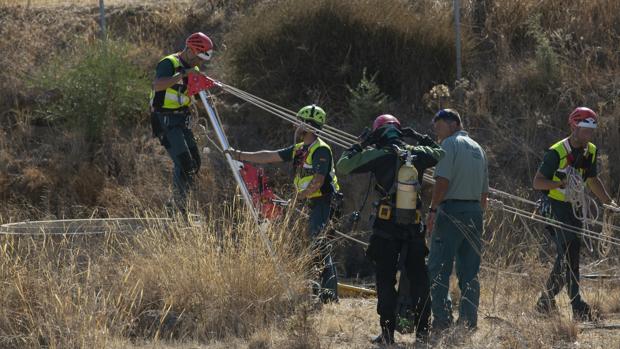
[603,238]
[206,133]
[286,115]
[76,226]
[496,204]
[345,140]
[607,232]
[346,236]
[286,112]
[581,202]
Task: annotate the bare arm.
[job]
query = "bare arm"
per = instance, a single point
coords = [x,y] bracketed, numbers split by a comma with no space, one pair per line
[439,192]
[595,184]
[315,184]
[484,198]
[259,157]
[542,183]
[163,83]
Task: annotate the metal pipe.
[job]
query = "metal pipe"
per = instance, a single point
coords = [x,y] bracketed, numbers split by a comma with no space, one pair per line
[102,19]
[457,29]
[225,145]
[244,190]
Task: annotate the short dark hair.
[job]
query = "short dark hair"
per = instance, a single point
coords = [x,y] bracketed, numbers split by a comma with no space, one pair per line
[447,115]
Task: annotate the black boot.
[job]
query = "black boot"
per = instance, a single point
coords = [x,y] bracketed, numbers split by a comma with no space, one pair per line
[422,337]
[327,296]
[546,305]
[386,337]
[583,312]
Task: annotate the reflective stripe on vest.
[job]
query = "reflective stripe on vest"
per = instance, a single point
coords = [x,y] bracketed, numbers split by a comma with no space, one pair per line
[174,98]
[563,149]
[304,175]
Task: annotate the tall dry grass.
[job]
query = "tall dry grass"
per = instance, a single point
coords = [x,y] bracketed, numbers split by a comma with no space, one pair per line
[171,281]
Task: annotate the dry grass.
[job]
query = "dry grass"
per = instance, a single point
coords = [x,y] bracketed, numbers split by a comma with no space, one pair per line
[171,281]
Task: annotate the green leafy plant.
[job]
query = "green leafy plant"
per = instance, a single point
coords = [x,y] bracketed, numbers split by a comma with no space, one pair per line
[92,88]
[366,100]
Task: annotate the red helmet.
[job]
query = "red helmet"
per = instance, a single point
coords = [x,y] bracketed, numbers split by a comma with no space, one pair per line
[583,117]
[200,44]
[385,119]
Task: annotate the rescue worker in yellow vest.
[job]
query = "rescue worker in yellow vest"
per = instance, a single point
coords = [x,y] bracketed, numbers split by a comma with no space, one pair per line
[170,115]
[573,156]
[315,181]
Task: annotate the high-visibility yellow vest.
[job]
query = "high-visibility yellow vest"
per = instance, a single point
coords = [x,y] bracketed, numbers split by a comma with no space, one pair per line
[174,98]
[304,174]
[563,149]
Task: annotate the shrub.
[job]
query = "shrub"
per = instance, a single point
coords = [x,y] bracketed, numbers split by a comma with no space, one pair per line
[547,63]
[93,88]
[366,101]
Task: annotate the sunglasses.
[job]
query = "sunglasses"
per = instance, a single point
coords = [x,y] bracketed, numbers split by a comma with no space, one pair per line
[205,55]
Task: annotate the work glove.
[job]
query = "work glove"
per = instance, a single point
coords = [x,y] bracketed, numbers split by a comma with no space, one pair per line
[364,135]
[355,148]
[368,138]
[422,139]
[411,133]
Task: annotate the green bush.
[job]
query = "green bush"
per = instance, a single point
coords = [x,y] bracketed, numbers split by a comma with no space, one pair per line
[297,51]
[94,88]
[547,64]
[366,101]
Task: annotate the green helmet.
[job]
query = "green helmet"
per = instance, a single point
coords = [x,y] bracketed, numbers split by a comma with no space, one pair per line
[313,114]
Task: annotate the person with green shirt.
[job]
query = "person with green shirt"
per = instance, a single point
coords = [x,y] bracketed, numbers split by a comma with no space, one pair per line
[455,221]
[394,243]
[315,181]
[170,115]
[572,156]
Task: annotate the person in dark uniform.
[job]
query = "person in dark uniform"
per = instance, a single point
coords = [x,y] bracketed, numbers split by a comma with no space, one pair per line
[170,115]
[382,154]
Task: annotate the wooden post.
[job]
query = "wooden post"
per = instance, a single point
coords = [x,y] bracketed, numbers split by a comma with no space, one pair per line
[457,29]
[102,19]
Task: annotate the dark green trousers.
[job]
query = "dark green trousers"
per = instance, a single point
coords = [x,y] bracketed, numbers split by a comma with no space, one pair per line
[568,245]
[320,210]
[456,236]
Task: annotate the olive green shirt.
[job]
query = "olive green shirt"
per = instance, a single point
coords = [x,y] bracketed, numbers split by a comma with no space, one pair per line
[465,166]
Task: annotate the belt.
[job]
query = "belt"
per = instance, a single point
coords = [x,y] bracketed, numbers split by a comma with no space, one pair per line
[458,200]
[324,198]
[174,112]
